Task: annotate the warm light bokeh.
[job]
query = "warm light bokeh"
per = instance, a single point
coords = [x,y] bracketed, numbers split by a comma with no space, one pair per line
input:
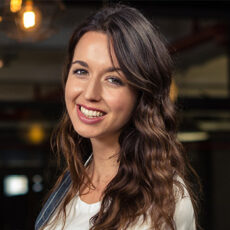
[15,5]
[36,134]
[29,19]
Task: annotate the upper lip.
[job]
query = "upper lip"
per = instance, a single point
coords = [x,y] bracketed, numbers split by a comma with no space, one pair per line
[91,108]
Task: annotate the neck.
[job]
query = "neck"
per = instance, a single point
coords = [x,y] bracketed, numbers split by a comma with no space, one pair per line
[105,160]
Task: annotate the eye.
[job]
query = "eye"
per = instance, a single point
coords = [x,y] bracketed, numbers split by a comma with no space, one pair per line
[80,72]
[115,81]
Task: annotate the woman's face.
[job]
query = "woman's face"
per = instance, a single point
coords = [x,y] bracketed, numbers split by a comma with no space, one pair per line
[98,98]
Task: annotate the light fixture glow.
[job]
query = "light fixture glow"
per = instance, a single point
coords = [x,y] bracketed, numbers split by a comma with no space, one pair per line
[173,91]
[29,19]
[1,63]
[36,134]
[15,185]
[15,5]
[193,136]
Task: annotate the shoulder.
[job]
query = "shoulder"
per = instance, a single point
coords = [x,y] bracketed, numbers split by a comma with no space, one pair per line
[184,213]
[184,217]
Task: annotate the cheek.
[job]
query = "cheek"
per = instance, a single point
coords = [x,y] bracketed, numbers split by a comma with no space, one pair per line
[123,104]
[71,90]
[68,92]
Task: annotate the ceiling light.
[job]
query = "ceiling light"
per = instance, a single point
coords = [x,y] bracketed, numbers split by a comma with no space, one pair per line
[15,5]
[1,63]
[36,134]
[30,17]
[193,136]
[173,91]
[213,126]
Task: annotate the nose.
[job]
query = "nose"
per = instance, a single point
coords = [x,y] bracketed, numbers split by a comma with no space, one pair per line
[92,91]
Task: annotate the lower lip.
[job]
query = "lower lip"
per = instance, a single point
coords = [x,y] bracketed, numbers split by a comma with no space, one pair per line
[88,120]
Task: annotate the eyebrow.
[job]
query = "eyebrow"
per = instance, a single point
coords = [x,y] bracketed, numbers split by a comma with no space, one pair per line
[84,64]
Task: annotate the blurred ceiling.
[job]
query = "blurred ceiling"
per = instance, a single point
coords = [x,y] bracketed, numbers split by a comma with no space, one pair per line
[186,28]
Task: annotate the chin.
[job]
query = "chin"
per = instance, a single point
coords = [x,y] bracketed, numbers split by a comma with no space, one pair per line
[86,134]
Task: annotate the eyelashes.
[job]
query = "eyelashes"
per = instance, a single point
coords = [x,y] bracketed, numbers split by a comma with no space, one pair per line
[80,72]
[114,80]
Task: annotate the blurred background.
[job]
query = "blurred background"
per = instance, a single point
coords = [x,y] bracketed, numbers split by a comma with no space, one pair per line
[33,41]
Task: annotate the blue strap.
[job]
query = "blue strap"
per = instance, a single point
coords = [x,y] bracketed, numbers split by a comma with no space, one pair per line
[53,201]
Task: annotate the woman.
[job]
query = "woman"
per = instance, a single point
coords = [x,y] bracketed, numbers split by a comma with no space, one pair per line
[124,167]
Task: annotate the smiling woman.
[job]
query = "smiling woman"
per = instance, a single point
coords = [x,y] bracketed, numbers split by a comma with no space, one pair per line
[124,166]
[98,99]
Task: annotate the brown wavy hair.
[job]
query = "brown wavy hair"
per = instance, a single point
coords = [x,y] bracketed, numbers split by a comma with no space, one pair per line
[150,155]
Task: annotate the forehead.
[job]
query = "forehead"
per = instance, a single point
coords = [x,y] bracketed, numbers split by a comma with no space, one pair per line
[95,46]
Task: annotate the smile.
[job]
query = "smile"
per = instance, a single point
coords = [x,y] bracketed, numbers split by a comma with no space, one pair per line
[90,116]
[90,113]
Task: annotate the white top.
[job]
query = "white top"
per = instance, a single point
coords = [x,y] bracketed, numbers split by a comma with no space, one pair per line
[79,214]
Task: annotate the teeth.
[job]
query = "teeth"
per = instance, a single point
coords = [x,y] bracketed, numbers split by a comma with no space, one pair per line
[90,113]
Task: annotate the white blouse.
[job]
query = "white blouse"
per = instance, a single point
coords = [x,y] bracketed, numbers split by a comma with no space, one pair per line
[79,213]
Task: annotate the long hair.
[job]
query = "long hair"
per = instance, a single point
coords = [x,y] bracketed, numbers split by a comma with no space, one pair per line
[150,157]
